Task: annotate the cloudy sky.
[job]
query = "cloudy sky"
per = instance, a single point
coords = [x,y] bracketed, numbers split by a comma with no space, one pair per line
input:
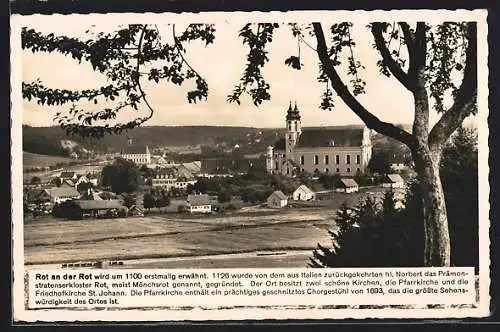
[222,64]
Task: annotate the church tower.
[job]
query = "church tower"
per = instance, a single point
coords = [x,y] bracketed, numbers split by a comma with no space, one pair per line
[293,131]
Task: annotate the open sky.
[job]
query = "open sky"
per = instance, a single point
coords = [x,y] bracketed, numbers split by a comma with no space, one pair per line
[222,64]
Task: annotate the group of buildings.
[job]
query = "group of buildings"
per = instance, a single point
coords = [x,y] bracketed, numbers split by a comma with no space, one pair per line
[345,151]
[339,150]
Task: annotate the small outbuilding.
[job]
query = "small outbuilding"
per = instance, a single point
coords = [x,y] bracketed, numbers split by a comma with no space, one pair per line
[346,186]
[303,193]
[199,203]
[277,200]
[393,181]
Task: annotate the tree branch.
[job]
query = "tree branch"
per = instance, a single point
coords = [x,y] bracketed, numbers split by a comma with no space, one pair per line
[179,51]
[396,70]
[368,118]
[143,94]
[465,98]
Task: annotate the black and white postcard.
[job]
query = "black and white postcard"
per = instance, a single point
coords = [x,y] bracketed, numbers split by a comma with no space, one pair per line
[319,164]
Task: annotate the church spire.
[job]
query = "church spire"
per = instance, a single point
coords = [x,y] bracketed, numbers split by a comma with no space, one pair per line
[290,106]
[295,109]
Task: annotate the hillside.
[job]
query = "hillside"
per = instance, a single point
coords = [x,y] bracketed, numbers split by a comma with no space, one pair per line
[54,141]
[49,140]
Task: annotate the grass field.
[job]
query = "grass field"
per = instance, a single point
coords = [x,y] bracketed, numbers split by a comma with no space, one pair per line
[31,160]
[52,240]
[174,236]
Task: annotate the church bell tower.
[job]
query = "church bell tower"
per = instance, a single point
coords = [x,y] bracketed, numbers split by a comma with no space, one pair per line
[293,131]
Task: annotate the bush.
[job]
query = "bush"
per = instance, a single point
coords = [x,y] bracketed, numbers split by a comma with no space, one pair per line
[182,208]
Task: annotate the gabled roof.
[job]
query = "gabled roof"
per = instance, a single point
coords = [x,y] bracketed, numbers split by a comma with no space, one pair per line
[62,192]
[67,174]
[97,205]
[305,189]
[193,167]
[195,200]
[348,183]
[135,149]
[394,178]
[325,137]
[278,194]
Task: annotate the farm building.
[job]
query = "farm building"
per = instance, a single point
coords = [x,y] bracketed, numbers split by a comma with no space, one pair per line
[346,186]
[277,200]
[199,203]
[79,209]
[393,181]
[303,193]
[59,194]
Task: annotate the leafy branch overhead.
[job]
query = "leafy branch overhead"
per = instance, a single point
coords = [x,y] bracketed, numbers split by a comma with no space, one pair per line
[252,82]
[126,57]
[138,53]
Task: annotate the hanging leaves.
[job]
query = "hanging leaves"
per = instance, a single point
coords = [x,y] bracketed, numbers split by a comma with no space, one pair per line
[119,55]
[252,82]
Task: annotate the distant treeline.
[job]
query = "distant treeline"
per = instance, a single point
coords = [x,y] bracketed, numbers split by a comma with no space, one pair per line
[46,140]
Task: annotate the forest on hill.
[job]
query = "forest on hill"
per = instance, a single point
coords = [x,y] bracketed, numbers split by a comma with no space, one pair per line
[47,140]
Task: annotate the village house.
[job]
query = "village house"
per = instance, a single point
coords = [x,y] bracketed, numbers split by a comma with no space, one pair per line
[346,186]
[303,193]
[138,154]
[334,150]
[58,195]
[171,177]
[277,200]
[80,209]
[199,203]
[393,181]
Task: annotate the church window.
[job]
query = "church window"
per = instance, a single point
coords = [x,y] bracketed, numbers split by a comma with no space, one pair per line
[337,170]
[327,170]
[348,170]
[358,170]
[287,170]
[290,136]
[358,159]
[276,167]
[348,159]
[296,126]
[337,159]
[316,160]
[302,160]
[290,125]
[327,159]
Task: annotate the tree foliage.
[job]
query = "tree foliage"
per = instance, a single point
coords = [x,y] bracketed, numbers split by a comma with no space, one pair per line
[126,57]
[379,163]
[378,234]
[122,176]
[424,58]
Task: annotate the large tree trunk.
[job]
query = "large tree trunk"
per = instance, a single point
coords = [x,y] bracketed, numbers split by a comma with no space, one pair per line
[437,237]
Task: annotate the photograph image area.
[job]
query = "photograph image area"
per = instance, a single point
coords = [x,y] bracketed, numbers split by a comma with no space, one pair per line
[281,142]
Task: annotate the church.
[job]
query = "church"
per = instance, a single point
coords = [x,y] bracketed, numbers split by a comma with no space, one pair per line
[332,150]
[138,154]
